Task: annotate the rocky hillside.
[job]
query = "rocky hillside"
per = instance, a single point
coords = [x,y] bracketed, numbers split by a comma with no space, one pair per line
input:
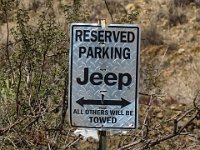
[34,48]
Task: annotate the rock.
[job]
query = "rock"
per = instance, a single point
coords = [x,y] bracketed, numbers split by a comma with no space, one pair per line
[197,123]
[181,50]
[196,131]
[130,7]
[159,115]
[157,110]
[174,107]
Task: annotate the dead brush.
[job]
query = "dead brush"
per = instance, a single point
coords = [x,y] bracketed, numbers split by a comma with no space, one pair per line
[176,14]
[181,3]
[151,34]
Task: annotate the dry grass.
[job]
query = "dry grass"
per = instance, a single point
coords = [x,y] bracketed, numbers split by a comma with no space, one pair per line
[176,14]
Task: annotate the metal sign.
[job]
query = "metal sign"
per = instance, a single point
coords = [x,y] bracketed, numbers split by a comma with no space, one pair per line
[103,76]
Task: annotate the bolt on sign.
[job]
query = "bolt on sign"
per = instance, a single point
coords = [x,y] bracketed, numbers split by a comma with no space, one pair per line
[103,76]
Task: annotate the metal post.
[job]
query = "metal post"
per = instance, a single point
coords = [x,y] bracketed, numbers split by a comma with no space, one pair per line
[102,133]
[102,140]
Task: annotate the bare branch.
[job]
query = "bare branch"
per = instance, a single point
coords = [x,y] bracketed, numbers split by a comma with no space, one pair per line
[106,3]
[130,145]
[3,131]
[158,141]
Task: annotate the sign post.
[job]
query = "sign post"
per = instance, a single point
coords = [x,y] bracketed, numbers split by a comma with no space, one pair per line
[103,76]
[102,140]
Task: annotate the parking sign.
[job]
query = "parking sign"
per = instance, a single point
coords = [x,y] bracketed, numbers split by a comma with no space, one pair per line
[103,76]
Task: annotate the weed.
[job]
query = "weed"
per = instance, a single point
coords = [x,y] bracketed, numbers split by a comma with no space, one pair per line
[181,3]
[36,4]
[176,14]
[151,34]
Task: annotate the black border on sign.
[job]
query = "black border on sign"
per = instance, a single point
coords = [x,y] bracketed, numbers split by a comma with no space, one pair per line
[137,73]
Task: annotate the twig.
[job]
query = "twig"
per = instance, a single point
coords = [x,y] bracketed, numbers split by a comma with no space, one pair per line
[130,145]
[64,103]
[36,118]
[185,114]
[195,101]
[15,147]
[188,122]
[109,10]
[162,60]
[144,94]
[3,131]
[72,143]
[158,141]
[31,123]
[175,126]
[57,54]
[19,84]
